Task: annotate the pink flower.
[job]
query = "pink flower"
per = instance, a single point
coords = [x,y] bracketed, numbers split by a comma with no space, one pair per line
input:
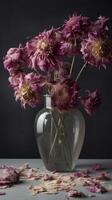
[64,71]
[99,27]
[43,50]
[97,51]
[15,59]
[10,176]
[65,94]
[29,91]
[75,29]
[91,102]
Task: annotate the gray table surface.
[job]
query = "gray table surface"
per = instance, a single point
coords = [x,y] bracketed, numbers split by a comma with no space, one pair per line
[21,192]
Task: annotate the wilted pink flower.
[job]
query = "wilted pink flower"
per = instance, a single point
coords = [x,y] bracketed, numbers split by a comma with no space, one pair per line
[29,91]
[61,96]
[91,102]
[97,51]
[10,176]
[75,29]
[99,27]
[43,50]
[15,59]
[65,94]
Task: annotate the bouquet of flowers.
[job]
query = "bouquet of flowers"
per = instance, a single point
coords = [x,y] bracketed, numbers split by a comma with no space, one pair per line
[51,55]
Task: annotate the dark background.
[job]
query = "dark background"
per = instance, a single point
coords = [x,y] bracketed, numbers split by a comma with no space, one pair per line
[23,19]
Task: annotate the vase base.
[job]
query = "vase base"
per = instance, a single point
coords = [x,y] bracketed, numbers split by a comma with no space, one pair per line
[59,167]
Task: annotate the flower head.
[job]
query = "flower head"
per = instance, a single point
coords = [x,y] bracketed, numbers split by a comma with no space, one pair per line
[99,27]
[91,102]
[15,59]
[65,94]
[97,51]
[76,27]
[43,50]
[28,91]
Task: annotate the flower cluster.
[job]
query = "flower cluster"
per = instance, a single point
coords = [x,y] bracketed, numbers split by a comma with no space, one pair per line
[50,56]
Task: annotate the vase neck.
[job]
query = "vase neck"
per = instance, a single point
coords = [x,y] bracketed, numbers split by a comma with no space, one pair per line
[47,101]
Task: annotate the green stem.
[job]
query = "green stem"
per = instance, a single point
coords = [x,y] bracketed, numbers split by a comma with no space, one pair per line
[80,72]
[73,59]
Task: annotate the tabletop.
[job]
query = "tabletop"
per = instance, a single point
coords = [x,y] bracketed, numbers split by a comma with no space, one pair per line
[21,192]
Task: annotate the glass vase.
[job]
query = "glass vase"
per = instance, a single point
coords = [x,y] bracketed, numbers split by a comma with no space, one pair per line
[59,136]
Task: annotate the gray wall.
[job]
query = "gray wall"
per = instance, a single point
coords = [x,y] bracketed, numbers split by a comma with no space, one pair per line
[22,19]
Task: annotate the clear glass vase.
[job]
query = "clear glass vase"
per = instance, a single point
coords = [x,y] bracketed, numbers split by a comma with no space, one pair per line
[59,136]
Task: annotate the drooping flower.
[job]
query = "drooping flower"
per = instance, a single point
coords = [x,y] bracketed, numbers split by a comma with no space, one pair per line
[100,27]
[97,51]
[65,94]
[91,102]
[43,50]
[29,91]
[75,29]
[15,59]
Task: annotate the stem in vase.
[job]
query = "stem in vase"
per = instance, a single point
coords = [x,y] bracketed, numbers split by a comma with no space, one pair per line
[56,134]
[66,144]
